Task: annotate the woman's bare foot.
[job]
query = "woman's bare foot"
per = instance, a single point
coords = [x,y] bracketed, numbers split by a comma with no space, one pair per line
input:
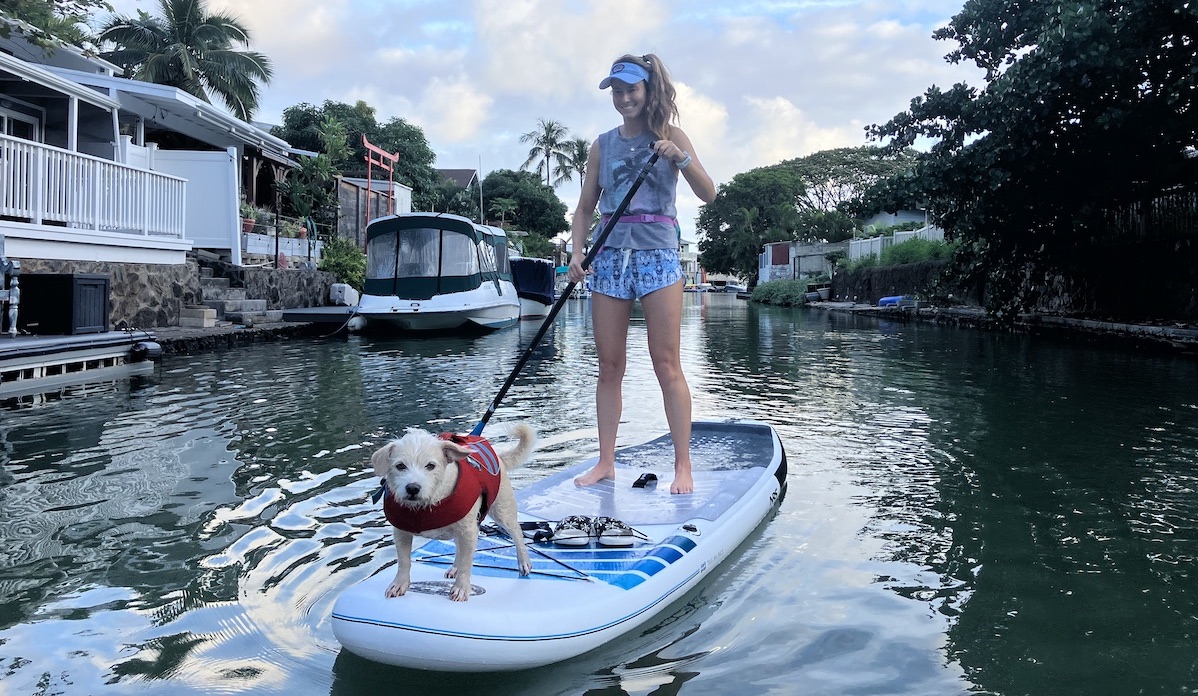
[683,482]
[601,472]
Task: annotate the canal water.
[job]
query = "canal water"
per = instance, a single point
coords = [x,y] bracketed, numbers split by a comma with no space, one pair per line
[967,512]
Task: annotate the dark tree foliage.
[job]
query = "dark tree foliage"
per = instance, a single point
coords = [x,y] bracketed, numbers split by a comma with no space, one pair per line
[1087,106]
[834,178]
[806,199]
[301,128]
[538,210]
[53,20]
[756,207]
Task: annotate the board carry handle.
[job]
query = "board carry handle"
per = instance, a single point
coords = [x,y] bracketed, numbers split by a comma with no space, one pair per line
[596,246]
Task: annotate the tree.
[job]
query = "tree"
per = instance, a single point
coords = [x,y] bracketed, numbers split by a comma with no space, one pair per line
[833,178]
[756,207]
[309,191]
[538,209]
[55,21]
[192,50]
[503,207]
[1087,106]
[573,162]
[548,144]
[301,128]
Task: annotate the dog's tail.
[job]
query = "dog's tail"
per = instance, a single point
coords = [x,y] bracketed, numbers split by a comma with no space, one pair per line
[524,447]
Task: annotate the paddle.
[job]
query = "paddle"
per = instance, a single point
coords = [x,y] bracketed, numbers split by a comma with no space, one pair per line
[596,245]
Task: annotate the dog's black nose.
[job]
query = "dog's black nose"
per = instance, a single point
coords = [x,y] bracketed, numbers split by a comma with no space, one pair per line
[412,489]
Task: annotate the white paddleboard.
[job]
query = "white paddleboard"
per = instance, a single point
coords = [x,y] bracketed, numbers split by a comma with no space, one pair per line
[579,597]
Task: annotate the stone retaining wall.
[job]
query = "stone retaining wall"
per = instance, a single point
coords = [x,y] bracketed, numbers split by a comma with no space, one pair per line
[142,295]
[282,288]
[147,296]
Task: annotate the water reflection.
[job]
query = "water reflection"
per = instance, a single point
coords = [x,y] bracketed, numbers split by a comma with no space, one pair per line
[966,511]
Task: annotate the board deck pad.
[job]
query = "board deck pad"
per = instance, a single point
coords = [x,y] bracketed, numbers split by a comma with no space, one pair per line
[723,460]
[726,462]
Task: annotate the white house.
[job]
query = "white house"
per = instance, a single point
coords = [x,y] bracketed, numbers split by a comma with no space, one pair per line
[95,167]
[101,174]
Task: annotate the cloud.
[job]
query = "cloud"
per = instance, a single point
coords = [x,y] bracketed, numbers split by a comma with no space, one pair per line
[758,82]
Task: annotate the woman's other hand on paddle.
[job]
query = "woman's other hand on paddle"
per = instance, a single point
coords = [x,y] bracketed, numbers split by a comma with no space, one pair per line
[575,272]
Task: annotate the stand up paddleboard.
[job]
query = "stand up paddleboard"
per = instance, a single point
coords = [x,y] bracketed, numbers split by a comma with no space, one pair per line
[577,598]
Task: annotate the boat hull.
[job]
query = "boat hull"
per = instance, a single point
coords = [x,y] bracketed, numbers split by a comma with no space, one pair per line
[577,598]
[483,308]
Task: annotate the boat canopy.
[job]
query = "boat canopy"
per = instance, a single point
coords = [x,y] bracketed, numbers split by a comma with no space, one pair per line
[533,279]
[416,256]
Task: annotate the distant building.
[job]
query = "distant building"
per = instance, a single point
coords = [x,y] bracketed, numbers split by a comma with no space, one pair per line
[796,260]
[461,178]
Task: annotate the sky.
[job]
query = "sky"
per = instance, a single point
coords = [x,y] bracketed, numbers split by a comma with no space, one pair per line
[759,81]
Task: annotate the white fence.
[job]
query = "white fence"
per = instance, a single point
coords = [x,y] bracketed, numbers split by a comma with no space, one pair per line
[860,248]
[253,243]
[49,184]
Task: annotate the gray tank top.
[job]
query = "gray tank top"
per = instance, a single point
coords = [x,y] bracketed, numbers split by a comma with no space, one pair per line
[620,161]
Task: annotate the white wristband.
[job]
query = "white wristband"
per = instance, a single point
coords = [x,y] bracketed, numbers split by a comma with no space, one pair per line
[685,160]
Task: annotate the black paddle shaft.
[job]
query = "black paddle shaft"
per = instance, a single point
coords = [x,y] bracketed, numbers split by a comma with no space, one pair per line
[596,245]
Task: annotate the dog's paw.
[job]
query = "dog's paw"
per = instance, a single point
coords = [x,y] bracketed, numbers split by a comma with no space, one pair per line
[451,573]
[460,592]
[397,589]
[525,565]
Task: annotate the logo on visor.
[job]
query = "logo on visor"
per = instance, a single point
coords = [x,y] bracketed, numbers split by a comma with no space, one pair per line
[618,67]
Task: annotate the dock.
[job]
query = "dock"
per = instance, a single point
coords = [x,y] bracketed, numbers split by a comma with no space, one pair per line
[39,364]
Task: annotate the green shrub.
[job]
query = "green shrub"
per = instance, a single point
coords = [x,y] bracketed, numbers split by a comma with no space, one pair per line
[911,251]
[914,250]
[343,258]
[787,293]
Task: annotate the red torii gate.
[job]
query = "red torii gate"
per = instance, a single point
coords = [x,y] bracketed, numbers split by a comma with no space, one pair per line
[380,157]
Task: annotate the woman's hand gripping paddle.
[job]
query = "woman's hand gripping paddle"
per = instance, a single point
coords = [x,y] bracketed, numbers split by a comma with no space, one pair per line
[596,245]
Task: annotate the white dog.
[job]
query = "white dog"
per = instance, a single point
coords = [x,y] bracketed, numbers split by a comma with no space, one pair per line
[442,487]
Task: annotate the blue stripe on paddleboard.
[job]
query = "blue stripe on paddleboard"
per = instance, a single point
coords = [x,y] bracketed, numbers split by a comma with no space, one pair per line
[623,567]
[521,639]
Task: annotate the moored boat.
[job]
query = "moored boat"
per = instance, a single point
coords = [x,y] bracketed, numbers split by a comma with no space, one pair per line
[533,279]
[436,272]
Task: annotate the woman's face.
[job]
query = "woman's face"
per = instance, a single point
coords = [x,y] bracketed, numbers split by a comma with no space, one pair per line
[628,99]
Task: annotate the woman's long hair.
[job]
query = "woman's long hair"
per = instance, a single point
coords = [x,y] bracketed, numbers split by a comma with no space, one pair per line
[660,109]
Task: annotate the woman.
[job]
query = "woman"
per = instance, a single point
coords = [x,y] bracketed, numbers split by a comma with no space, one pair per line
[640,258]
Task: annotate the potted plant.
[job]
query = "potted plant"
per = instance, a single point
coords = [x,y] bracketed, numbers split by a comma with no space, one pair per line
[266,221]
[291,228]
[247,217]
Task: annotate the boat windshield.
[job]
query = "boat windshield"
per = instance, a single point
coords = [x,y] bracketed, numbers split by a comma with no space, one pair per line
[422,252]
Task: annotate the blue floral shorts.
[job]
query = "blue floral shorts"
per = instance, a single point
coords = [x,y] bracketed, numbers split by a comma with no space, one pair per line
[630,274]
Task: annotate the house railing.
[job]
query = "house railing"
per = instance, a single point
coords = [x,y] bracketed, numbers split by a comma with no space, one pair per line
[45,184]
[860,248]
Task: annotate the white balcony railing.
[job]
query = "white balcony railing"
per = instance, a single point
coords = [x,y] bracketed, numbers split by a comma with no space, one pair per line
[45,184]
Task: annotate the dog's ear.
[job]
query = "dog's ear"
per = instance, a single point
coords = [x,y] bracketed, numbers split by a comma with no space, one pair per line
[380,461]
[454,452]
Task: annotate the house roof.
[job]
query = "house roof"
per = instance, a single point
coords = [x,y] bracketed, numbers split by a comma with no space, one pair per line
[462,178]
[54,52]
[173,109]
[49,80]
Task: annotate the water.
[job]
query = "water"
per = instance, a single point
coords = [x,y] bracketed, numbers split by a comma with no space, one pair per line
[967,512]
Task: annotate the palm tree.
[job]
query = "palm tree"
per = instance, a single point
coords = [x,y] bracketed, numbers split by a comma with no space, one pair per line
[192,50]
[503,207]
[548,144]
[574,162]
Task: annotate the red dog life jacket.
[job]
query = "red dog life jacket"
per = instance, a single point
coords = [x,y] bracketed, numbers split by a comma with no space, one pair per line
[478,475]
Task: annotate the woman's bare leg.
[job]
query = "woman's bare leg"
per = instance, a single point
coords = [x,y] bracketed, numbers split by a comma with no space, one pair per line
[609,318]
[663,319]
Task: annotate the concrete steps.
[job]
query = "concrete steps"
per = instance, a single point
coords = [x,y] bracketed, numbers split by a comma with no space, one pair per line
[231,304]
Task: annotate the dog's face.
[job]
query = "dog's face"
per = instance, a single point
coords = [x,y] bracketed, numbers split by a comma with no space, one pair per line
[420,468]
